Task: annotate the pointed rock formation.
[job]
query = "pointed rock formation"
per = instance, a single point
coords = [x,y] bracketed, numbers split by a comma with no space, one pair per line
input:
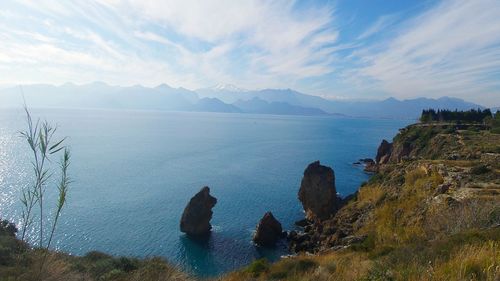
[196,218]
[383,152]
[268,231]
[317,192]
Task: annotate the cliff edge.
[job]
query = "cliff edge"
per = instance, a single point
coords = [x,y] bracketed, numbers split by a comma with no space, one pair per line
[431,211]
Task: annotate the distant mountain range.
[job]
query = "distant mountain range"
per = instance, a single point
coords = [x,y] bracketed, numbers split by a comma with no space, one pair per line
[221,98]
[388,108]
[260,106]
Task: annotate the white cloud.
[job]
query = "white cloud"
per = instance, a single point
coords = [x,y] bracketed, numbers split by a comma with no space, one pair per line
[452,49]
[206,20]
[278,39]
[200,42]
[379,25]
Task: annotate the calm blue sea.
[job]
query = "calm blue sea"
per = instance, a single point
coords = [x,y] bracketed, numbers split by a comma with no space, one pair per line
[134,172]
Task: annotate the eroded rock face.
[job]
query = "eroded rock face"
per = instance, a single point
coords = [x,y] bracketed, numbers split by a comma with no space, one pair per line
[384,152]
[317,192]
[268,231]
[196,217]
[400,151]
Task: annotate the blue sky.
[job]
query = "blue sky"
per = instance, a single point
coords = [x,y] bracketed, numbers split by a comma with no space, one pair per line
[336,49]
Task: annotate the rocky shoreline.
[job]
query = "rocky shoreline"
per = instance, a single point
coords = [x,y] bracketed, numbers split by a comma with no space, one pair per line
[330,222]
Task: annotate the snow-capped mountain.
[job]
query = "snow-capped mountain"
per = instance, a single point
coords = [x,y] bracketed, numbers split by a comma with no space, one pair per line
[227,87]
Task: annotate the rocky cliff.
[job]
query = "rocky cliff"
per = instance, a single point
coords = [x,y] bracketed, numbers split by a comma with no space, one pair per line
[430,181]
[431,211]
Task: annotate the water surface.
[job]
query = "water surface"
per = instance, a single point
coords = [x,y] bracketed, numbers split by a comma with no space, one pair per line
[134,172]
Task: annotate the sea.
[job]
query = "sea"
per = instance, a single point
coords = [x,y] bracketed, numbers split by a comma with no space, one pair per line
[133,172]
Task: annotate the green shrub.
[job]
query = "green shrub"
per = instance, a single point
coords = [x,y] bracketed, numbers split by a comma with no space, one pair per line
[114,274]
[7,228]
[376,179]
[380,252]
[278,275]
[95,256]
[292,267]
[479,170]
[379,273]
[8,248]
[101,267]
[127,264]
[367,245]
[304,265]
[494,216]
[257,267]
[331,266]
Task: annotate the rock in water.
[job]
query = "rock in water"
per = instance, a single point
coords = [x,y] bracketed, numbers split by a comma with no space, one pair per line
[268,231]
[317,192]
[195,220]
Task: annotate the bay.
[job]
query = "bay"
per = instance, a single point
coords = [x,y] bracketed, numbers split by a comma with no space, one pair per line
[134,171]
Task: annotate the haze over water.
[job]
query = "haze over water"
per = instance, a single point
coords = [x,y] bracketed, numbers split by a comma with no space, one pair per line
[134,172]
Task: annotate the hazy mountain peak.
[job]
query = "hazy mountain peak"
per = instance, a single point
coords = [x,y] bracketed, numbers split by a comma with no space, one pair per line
[447,99]
[97,84]
[163,86]
[69,84]
[391,99]
[227,87]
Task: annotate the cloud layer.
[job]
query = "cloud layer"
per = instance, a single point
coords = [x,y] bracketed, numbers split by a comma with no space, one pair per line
[452,49]
[449,48]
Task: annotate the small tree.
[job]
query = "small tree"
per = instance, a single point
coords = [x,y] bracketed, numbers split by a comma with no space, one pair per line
[40,137]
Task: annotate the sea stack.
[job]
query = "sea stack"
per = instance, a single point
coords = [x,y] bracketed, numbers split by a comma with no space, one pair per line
[317,192]
[268,231]
[196,218]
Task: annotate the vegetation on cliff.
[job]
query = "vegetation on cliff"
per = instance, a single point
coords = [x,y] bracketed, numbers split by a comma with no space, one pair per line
[431,212]
[446,115]
[20,262]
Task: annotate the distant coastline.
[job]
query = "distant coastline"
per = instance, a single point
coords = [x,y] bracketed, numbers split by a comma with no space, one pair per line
[266,101]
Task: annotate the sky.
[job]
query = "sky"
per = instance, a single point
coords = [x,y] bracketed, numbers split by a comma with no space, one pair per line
[343,49]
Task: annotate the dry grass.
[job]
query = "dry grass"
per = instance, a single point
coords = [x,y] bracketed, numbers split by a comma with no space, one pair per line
[455,163]
[471,214]
[28,267]
[370,195]
[471,262]
[93,267]
[393,225]
[343,265]
[399,220]
[156,269]
[413,175]
[467,256]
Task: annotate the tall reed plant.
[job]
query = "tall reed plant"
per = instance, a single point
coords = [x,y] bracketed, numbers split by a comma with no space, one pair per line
[43,147]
